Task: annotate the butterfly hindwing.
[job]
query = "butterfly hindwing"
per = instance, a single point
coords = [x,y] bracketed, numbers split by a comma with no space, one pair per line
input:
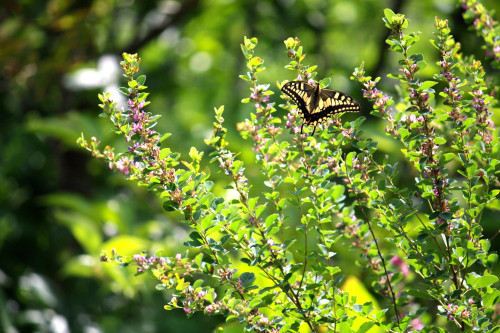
[316,105]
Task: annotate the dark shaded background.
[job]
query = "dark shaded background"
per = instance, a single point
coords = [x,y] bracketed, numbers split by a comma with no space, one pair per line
[59,208]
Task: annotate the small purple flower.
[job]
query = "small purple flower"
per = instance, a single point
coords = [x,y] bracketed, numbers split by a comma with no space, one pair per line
[123,166]
[139,116]
[141,104]
[355,163]
[137,127]
[139,258]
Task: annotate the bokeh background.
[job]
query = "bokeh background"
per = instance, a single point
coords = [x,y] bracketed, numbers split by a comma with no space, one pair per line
[59,208]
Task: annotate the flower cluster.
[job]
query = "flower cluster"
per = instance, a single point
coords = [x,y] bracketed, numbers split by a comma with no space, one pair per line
[195,300]
[227,163]
[259,95]
[381,101]
[143,262]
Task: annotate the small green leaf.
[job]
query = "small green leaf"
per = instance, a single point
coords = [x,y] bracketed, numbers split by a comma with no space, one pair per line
[418,57]
[388,13]
[247,279]
[440,141]
[141,79]
[166,136]
[170,206]
[124,91]
[479,281]
[365,326]
[270,220]
[427,84]
[198,283]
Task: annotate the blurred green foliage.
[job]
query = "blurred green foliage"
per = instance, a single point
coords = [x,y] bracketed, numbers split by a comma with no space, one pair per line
[59,208]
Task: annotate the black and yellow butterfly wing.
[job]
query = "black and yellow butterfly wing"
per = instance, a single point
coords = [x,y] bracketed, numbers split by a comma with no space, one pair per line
[316,105]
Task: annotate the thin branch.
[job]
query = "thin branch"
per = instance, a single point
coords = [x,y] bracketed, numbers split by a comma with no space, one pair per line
[376,244]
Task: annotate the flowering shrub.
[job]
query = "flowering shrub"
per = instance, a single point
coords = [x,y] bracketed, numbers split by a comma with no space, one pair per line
[272,254]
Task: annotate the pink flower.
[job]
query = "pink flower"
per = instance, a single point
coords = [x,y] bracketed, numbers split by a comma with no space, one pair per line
[401,265]
[416,324]
[139,258]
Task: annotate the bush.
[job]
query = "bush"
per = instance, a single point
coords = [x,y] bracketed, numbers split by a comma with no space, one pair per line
[268,260]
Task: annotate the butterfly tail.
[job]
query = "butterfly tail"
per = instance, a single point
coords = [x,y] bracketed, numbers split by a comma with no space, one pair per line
[314,130]
[301,127]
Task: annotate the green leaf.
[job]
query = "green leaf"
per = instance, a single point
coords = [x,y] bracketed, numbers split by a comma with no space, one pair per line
[124,91]
[247,279]
[427,84]
[141,79]
[418,57]
[198,283]
[164,153]
[270,219]
[142,96]
[358,122]
[491,297]
[170,206]
[192,244]
[259,210]
[388,13]
[395,76]
[440,141]
[479,281]
[404,133]
[166,136]
[365,326]
[208,222]
[446,158]
[418,293]
[344,328]
[254,302]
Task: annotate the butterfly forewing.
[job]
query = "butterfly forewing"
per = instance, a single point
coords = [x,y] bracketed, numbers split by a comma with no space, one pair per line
[315,104]
[300,93]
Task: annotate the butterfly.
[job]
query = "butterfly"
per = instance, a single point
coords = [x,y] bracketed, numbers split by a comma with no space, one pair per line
[315,105]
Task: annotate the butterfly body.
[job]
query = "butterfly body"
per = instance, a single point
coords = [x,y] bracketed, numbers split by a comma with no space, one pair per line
[316,105]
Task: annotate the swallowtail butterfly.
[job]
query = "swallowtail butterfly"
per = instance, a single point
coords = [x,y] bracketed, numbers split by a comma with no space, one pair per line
[317,105]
